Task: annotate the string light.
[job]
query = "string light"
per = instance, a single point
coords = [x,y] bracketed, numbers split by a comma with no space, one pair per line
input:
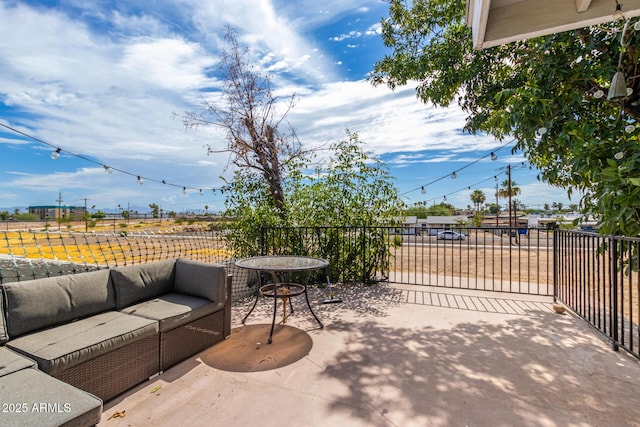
[617,15]
[495,178]
[184,190]
[454,174]
[423,191]
[56,154]
[494,157]
[201,193]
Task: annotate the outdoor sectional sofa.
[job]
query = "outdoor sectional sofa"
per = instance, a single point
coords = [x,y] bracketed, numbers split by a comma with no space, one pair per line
[105,331]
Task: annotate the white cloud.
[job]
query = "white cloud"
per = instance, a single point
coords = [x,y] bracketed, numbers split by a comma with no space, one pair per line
[109,92]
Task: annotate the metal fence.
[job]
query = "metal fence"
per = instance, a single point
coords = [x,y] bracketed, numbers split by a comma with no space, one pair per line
[598,277]
[496,259]
[491,259]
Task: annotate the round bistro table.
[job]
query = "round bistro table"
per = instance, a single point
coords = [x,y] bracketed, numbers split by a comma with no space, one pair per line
[277,266]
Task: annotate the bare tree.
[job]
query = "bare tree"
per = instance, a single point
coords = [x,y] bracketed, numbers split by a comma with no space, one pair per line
[250,118]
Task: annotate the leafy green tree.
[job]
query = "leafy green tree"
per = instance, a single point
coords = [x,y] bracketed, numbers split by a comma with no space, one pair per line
[342,202]
[441,209]
[550,93]
[4,215]
[25,217]
[417,211]
[155,210]
[478,198]
[477,219]
[493,208]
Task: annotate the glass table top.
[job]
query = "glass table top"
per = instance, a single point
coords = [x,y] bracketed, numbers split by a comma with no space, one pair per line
[282,263]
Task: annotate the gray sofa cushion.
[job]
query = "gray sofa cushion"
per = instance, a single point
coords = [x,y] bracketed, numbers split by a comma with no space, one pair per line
[4,335]
[68,345]
[201,279]
[11,362]
[46,401]
[173,310]
[137,283]
[42,303]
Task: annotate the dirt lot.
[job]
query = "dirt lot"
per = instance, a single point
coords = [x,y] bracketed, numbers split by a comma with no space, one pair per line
[481,257]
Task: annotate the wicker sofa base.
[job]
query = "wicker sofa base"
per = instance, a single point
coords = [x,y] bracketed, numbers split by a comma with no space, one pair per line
[111,374]
[186,340]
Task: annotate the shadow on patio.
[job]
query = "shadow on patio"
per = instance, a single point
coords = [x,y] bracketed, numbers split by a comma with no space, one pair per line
[402,356]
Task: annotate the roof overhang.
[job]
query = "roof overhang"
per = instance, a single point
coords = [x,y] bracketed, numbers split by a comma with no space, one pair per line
[496,22]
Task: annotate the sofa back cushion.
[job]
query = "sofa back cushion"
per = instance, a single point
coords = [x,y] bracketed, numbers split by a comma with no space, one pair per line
[200,279]
[4,335]
[42,303]
[137,283]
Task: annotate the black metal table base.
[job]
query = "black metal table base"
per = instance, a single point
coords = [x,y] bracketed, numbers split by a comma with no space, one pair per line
[283,291]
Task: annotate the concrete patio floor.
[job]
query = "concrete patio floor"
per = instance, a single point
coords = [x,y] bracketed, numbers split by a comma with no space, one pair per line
[395,355]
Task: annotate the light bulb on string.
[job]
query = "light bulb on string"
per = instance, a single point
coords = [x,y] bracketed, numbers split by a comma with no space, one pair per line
[454,175]
[56,154]
[108,170]
[617,15]
[423,190]
[598,94]
[139,180]
[201,193]
[184,190]
[630,128]
[494,157]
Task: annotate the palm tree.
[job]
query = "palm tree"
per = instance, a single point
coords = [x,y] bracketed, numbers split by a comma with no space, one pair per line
[508,189]
[504,189]
[478,198]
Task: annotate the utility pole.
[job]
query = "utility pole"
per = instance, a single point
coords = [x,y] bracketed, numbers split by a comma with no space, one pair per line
[509,193]
[59,209]
[497,206]
[86,226]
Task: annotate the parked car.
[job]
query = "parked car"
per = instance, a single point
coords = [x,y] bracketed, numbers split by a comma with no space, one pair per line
[451,235]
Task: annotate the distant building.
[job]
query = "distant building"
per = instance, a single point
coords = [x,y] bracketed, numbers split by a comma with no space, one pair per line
[54,212]
[433,224]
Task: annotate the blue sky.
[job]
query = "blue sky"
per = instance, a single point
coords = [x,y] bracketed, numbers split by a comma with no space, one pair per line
[104,79]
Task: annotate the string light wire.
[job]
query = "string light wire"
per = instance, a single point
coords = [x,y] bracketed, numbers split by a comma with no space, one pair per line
[491,155]
[108,168]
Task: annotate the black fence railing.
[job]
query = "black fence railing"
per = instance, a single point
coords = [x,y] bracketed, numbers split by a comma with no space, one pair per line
[496,259]
[355,254]
[598,277]
[491,259]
